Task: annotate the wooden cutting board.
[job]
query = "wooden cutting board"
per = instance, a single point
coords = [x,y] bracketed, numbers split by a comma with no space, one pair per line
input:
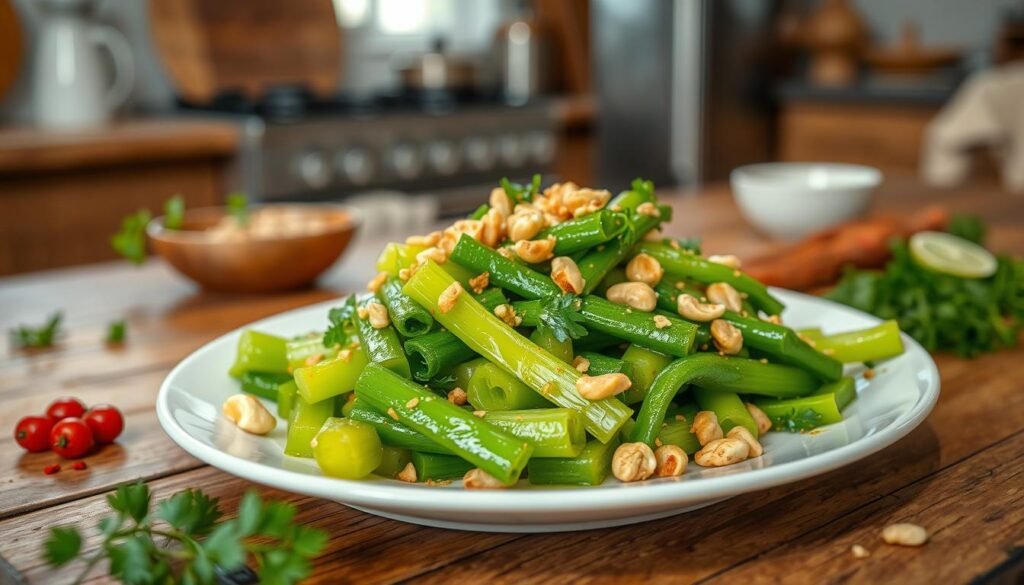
[209,47]
[10,46]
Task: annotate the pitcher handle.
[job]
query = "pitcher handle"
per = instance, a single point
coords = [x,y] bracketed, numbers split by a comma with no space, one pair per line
[124,64]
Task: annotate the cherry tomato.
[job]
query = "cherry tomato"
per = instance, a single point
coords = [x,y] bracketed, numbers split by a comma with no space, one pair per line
[71,438]
[64,407]
[105,421]
[33,433]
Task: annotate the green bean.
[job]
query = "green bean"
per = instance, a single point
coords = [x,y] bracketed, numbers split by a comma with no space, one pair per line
[259,352]
[492,450]
[596,341]
[434,467]
[392,461]
[553,432]
[394,433]
[646,363]
[590,467]
[286,393]
[785,345]
[328,379]
[875,343]
[547,340]
[614,276]
[708,370]
[304,422]
[597,263]
[844,389]
[308,349]
[510,275]
[409,318]
[681,263]
[674,432]
[642,192]
[601,364]
[435,353]
[479,212]
[263,384]
[585,232]
[728,407]
[382,346]
[493,388]
[801,414]
[493,339]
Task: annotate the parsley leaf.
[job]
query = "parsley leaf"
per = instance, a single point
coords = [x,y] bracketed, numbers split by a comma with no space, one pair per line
[116,331]
[174,212]
[190,511]
[37,337]
[521,193]
[968,227]
[132,500]
[63,545]
[795,422]
[130,242]
[339,331]
[238,207]
[560,315]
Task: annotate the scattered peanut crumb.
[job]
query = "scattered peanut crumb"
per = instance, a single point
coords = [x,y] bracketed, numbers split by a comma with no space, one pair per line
[763,360]
[581,364]
[859,552]
[392,413]
[661,322]
[869,374]
[362,312]
[479,413]
[314,359]
[408,473]
[378,281]
[680,418]
[904,534]
[480,282]
[412,403]
[457,396]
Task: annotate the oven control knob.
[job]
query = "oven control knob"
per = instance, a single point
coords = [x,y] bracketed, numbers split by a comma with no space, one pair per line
[511,150]
[313,169]
[406,161]
[479,153]
[443,157]
[541,146]
[356,165]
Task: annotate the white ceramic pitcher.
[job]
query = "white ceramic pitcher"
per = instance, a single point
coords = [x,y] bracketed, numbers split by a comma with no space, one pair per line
[70,90]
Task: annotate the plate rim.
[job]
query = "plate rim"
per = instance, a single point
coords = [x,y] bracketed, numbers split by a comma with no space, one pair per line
[540,499]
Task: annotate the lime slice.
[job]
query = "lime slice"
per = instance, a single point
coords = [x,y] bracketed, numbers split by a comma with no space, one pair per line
[950,254]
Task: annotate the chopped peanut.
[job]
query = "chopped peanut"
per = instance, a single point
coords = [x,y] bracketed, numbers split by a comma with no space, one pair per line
[507,313]
[449,297]
[742,433]
[426,241]
[905,534]
[534,251]
[523,225]
[478,479]
[457,396]
[661,322]
[391,412]
[721,452]
[727,260]
[645,269]
[479,282]
[378,281]
[859,552]
[648,208]
[705,426]
[581,364]
[499,200]
[633,294]
[671,461]
[723,293]
[603,386]
[694,310]
[633,462]
[494,229]
[378,315]
[413,403]
[249,414]
[408,473]
[764,424]
[436,254]
[726,336]
[566,275]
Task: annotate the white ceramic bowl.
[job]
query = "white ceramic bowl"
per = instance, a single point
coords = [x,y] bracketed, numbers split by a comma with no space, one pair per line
[791,200]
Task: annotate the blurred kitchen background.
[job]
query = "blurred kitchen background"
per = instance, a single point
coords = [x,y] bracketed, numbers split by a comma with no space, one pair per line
[418,107]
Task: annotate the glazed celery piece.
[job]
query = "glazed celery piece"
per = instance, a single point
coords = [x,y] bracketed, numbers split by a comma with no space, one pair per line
[392,461]
[728,407]
[784,344]
[308,349]
[408,318]
[492,388]
[585,232]
[259,352]
[328,379]
[508,274]
[497,452]
[683,264]
[394,433]
[602,364]
[304,423]
[674,432]
[286,394]
[553,432]
[435,353]
[502,345]
[801,414]
[844,389]
[347,449]
[546,339]
[709,370]
[646,364]
[382,346]
[875,343]
[464,372]
[397,256]
[435,467]
[263,384]
[590,467]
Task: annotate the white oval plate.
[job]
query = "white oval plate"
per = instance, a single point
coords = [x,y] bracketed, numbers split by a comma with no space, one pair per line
[888,407]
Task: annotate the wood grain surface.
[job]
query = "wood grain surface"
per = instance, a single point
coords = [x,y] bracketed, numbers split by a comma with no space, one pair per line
[960,474]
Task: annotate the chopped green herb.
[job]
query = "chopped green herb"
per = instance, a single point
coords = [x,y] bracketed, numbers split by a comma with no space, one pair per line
[340,330]
[185,540]
[174,212]
[24,337]
[521,193]
[238,207]
[130,242]
[795,422]
[561,316]
[116,331]
[968,227]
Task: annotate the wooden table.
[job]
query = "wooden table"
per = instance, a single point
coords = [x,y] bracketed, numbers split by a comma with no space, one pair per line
[961,474]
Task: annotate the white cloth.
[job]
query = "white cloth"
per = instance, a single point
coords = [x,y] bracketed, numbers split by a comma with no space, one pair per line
[987,111]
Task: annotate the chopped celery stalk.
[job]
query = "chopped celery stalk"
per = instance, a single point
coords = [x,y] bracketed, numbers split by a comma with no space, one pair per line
[286,398]
[394,433]
[350,403]
[728,407]
[801,414]
[507,274]
[674,432]
[434,467]
[259,352]
[304,423]
[397,256]
[492,388]
[329,379]
[435,353]
[585,232]
[392,461]
[844,389]
[348,449]
[263,384]
[502,345]
[875,343]
[553,432]
[382,346]
[546,339]
[409,318]
[590,467]
[464,371]
[646,364]
[495,451]
[308,350]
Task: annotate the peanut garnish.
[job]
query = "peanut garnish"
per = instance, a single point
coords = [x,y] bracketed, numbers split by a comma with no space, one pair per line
[377,282]
[507,313]
[671,461]
[694,310]
[391,412]
[436,254]
[661,322]
[581,364]
[648,208]
[479,282]
[524,224]
[726,260]
[742,433]
[449,297]
[633,294]
[723,293]
[478,479]
[499,200]
[534,251]
[567,275]
[859,552]
[493,232]
[413,403]
[249,414]
[362,313]
[721,452]
[426,241]
[408,473]
[764,424]
[378,315]
[645,269]
[457,396]
[726,336]
[905,534]
[705,426]
[633,462]
[603,386]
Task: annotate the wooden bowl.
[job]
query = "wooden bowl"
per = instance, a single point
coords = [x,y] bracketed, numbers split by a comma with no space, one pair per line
[253,265]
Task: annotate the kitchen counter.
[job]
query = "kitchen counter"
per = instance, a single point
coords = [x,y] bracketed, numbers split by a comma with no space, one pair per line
[958,474]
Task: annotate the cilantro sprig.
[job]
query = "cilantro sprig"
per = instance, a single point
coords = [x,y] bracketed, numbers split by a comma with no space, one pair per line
[340,329]
[560,315]
[26,337]
[130,242]
[186,541]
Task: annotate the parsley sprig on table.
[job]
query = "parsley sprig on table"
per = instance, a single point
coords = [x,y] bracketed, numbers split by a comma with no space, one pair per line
[25,337]
[130,242]
[561,316]
[185,540]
